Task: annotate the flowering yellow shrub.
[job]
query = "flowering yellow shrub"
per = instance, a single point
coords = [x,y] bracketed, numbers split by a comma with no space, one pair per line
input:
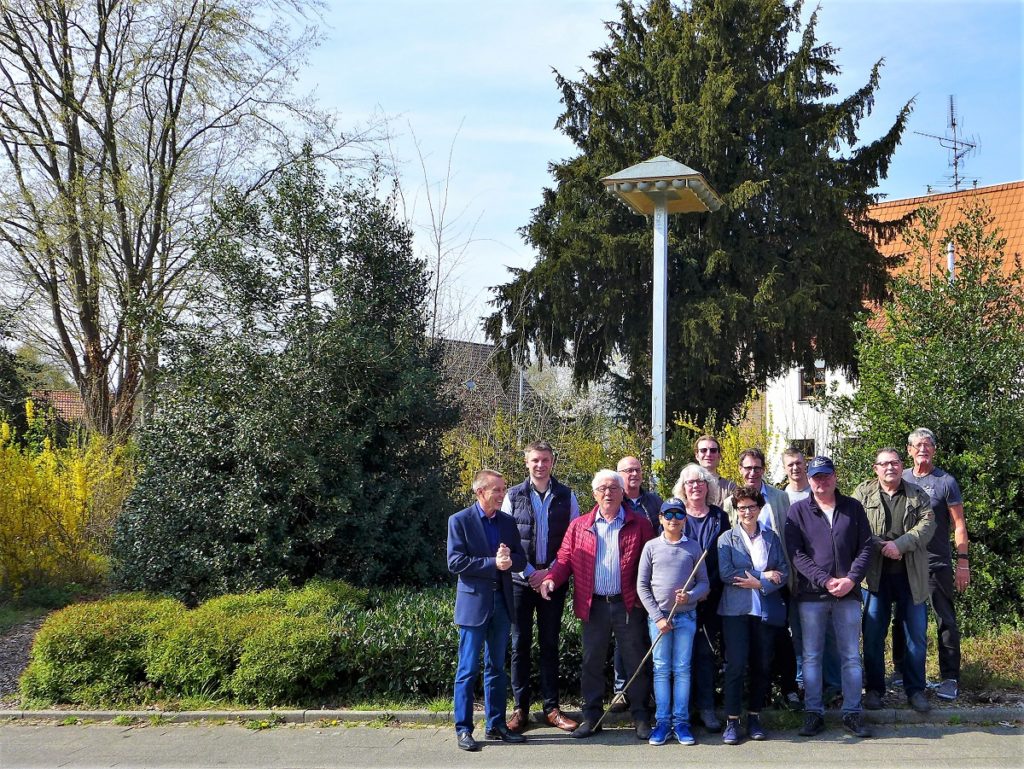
[57,508]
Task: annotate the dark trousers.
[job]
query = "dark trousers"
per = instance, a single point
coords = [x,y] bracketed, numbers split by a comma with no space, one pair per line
[940,585]
[785,655]
[749,643]
[704,665]
[630,632]
[528,604]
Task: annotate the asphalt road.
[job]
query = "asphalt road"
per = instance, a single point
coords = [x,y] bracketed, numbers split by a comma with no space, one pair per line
[185,746]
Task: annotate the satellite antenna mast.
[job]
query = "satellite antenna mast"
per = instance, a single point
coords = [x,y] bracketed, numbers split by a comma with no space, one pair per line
[959,148]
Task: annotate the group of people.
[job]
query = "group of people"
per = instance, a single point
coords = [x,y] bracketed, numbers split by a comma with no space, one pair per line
[782,581]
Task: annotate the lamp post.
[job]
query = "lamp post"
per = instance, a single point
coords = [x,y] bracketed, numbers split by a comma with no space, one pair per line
[661,186]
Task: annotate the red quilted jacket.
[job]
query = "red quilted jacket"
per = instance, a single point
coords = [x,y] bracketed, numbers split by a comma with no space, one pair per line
[578,553]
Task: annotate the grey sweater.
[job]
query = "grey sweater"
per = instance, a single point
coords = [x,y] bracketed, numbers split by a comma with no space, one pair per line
[664,567]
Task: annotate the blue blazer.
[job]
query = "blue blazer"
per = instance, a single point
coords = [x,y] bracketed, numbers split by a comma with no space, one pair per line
[734,559]
[471,559]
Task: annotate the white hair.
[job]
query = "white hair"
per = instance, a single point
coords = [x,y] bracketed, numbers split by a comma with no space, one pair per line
[691,472]
[922,432]
[606,475]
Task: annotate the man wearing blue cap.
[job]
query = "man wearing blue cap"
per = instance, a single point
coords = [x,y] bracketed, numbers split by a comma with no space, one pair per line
[829,539]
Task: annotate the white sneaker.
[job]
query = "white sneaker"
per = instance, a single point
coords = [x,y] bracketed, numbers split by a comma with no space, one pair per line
[947,690]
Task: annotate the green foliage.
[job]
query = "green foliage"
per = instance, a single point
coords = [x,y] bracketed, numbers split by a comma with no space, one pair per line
[948,358]
[271,647]
[13,389]
[585,443]
[302,424]
[95,653]
[775,277]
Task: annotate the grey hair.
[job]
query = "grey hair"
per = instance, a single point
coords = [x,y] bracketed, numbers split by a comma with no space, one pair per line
[482,479]
[691,472]
[922,432]
[606,475]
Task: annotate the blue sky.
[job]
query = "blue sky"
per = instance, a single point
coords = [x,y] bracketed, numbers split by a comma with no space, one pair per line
[480,75]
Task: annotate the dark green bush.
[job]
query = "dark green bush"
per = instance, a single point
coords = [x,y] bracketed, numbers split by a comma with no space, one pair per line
[94,653]
[407,645]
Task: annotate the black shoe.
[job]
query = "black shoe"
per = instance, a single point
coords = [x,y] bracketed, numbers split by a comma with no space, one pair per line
[466,742]
[853,724]
[584,730]
[813,724]
[919,702]
[872,700]
[502,733]
[643,729]
[710,720]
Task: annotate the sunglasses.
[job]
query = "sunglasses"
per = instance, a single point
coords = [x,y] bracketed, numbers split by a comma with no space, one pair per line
[674,515]
[705,450]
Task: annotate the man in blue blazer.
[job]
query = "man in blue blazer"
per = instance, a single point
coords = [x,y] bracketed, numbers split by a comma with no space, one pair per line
[483,551]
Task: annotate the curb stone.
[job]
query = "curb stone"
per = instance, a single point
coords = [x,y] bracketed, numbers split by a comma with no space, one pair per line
[940,716]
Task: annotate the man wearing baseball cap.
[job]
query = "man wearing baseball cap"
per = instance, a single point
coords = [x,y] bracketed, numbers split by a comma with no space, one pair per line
[829,540]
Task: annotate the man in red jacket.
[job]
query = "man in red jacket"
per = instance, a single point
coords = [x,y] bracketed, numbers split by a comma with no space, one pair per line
[601,550]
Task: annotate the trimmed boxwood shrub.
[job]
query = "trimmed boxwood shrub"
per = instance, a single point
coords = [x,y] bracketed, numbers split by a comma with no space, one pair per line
[287,660]
[95,653]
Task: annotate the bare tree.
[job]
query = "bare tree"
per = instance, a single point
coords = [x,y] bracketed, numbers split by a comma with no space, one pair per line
[119,124]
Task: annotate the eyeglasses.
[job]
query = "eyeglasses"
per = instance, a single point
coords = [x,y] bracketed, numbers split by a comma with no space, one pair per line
[694,482]
[673,515]
[748,508]
[606,490]
[631,470]
[752,468]
[708,450]
[890,463]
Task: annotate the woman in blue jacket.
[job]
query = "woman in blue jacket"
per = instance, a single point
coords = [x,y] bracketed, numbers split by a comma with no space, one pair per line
[752,566]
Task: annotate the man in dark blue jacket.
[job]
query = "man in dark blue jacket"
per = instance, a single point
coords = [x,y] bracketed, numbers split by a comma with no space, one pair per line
[829,541]
[483,551]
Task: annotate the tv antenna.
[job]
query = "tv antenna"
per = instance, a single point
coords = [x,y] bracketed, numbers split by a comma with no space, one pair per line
[959,148]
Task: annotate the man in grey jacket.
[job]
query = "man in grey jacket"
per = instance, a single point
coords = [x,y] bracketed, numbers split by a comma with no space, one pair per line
[902,524]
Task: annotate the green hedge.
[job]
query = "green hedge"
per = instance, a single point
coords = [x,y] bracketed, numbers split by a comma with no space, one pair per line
[92,653]
[324,642]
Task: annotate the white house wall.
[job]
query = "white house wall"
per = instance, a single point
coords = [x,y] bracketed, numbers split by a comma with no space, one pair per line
[792,419]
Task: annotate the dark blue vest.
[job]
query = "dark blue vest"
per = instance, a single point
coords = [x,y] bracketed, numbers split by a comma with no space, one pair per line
[558,519]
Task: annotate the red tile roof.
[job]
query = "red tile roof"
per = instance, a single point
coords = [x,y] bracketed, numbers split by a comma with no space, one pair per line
[1005,202]
[67,403]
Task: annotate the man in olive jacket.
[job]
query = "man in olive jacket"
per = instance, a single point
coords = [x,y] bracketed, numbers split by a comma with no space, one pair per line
[902,524]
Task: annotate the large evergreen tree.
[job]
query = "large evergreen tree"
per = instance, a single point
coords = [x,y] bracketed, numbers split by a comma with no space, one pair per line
[299,432]
[775,277]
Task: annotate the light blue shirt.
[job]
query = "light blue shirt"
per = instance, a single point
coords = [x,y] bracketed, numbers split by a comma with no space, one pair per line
[607,574]
[541,509]
[765,516]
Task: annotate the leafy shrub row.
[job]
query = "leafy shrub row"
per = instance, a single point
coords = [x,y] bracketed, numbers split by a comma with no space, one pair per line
[324,642]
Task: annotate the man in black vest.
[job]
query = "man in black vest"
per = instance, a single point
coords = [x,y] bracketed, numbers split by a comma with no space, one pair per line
[542,508]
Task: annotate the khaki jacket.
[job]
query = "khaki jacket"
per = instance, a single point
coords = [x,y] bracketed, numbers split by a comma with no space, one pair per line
[918,525]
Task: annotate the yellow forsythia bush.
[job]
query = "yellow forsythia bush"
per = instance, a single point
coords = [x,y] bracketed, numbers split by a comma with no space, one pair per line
[57,508]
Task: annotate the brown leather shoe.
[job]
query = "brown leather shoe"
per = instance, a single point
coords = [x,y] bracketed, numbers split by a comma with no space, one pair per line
[516,721]
[557,719]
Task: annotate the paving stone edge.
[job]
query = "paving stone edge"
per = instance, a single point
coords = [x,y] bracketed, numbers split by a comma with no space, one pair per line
[944,715]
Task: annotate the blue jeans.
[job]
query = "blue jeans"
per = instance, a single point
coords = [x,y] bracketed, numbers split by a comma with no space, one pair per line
[492,637]
[845,617]
[830,660]
[894,588]
[672,661]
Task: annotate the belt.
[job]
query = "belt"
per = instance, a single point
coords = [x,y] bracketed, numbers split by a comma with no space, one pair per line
[542,565]
[617,598]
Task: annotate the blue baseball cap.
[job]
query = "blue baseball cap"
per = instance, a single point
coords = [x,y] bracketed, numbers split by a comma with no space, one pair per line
[673,504]
[820,466]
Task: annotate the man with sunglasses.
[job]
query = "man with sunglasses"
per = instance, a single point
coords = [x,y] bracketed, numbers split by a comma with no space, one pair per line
[708,453]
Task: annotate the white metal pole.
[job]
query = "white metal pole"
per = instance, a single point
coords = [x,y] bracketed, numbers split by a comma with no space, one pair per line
[658,335]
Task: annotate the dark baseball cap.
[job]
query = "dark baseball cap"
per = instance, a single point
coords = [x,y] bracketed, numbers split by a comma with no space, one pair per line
[673,504]
[820,466]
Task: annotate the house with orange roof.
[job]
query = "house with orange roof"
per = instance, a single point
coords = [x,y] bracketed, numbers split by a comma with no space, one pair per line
[788,400]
